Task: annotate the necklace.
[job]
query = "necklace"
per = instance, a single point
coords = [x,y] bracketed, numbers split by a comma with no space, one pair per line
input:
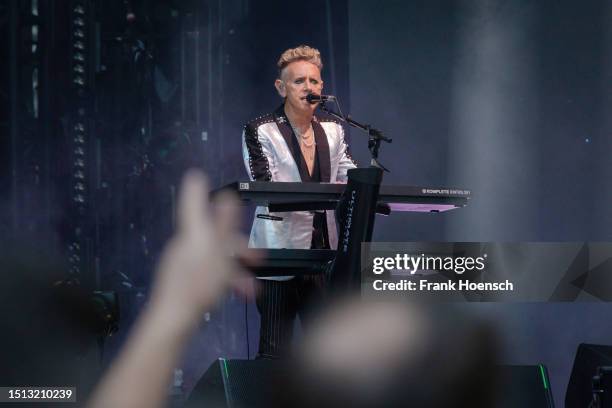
[303,143]
[304,137]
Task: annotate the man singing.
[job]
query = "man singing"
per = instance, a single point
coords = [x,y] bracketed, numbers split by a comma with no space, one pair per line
[293,144]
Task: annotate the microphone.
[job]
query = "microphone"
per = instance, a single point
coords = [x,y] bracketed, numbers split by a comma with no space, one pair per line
[312,98]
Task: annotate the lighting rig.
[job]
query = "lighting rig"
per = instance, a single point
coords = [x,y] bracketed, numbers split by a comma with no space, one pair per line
[79,140]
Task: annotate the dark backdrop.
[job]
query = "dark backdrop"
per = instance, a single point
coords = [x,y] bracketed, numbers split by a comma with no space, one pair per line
[510,99]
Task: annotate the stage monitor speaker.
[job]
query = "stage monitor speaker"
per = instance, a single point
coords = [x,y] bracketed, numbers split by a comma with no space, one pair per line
[252,383]
[523,386]
[580,387]
[237,384]
[602,386]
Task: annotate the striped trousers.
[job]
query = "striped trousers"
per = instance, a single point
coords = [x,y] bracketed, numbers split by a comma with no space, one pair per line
[278,303]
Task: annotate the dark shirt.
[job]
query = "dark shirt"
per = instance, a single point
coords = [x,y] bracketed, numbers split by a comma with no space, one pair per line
[320,238]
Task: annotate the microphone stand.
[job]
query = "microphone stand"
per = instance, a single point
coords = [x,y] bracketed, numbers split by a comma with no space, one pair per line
[356,210]
[375,136]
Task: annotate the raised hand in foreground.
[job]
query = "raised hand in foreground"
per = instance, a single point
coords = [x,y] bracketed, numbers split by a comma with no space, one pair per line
[195,269]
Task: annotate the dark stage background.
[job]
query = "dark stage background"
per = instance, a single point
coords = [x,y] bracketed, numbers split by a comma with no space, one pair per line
[102,113]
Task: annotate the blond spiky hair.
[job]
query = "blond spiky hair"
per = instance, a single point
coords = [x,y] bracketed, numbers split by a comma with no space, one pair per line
[299,53]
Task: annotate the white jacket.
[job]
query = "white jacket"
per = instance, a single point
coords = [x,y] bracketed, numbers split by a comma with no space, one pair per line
[271,152]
